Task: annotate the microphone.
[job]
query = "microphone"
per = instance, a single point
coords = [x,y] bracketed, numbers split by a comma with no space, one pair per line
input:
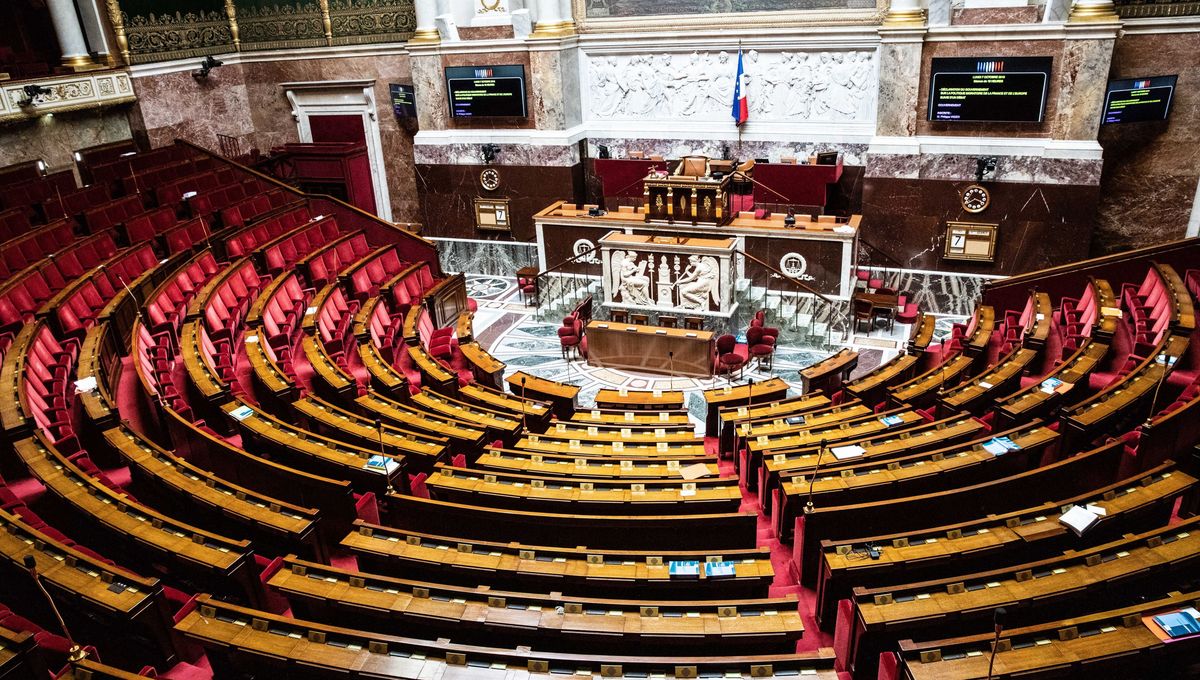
[523,428]
[998,623]
[76,653]
[1154,400]
[812,480]
[137,304]
[671,362]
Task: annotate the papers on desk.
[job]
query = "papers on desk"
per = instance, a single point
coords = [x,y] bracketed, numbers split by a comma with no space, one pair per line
[601,325]
[843,229]
[720,570]
[891,420]
[1167,360]
[1179,624]
[1050,385]
[694,471]
[310,310]
[847,452]
[1079,519]
[1111,311]
[381,464]
[998,446]
[983,384]
[84,385]
[684,569]
[241,413]
[251,338]
[660,331]
[689,335]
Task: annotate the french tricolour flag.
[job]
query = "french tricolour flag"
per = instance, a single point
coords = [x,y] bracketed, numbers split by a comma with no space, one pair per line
[741,107]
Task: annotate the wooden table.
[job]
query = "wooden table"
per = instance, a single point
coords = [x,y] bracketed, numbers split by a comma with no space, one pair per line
[650,349]
[561,395]
[880,302]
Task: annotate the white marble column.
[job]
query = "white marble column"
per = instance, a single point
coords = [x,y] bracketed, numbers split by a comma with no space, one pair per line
[905,13]
[549,22]
[566,10]
[1093,11]
[70,34]
[426,30]
[1193,225]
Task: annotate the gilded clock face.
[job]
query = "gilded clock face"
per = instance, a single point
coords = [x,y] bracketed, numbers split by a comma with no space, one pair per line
[490,179]
[975,199]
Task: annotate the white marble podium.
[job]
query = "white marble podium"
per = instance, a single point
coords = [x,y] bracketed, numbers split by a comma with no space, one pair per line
[668,274]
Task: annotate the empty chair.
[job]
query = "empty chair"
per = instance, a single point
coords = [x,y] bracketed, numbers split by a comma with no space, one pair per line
[693,323]
[639,319]
[863,312]
[761,346]
[728,361]
[668,321]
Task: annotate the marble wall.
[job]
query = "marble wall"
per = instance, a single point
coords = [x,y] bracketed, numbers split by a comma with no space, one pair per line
[1151,169]
[245,100]
[448,191]
[54,138]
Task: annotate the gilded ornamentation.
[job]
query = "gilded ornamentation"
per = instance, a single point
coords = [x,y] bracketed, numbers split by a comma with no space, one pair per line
[1127,9]
[117,18]
[160,37]
[367,21]
[326,21]
[264,25]
[105,87]
[231,13]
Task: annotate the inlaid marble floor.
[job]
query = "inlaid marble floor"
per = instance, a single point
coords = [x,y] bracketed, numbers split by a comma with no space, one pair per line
[508,329]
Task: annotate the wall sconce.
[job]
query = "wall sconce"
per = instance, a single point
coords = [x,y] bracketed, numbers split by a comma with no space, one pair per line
[985,168]
[32,92]
[206,67]
[489,151]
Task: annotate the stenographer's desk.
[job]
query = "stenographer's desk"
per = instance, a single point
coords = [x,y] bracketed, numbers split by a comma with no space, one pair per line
[650,349]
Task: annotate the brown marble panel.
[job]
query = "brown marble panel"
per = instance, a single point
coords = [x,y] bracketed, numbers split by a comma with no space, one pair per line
[485,32]
[177,106]
[1039,225]
[995,15]
[1000,48]
[1151,169]
[447,194]
[54,138]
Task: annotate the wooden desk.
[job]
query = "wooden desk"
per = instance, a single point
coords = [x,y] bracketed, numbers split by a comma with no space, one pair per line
[561,395]
[584,468]
[637,435]
[272,386]
[1041,321]
[542,569]
[279,644]
[536,415]
[774,389]
[953,466]
[738,416]
[433,374]
[487,369]
[872,387]
[980,393]
[921,334]
[138,608]
[1112,643]
[1077,474]
[634,419]
[481,615]
[624,532]
[827,375]
[639,400]
[1035,402]
[21,657]
[384,377]
[504,426]
[985,323]
[923,389]
[534,443]
[329,380]
[1072,583]
[132,528]
[650,349]
[1032,533]
[229,508]
[400,416]
[593,497]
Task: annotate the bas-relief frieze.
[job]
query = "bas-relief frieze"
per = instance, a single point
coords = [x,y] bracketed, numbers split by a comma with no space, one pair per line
[784,86]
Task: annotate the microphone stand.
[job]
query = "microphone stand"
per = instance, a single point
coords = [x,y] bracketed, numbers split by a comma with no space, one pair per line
[1154,399]
[998,622]
[523,429]
[812,480]
[76,653]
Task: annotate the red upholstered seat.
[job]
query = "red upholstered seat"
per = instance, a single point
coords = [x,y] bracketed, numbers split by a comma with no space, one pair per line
[728,361]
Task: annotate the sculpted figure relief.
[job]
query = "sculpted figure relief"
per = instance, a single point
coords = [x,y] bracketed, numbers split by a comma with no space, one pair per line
[785,86]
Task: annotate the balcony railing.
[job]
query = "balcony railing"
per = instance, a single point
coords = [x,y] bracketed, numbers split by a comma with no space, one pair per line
[35,97]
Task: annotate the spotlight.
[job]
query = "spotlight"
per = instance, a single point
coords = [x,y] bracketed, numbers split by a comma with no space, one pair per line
[985,168]
[489,152]
[210,62]
[604,151]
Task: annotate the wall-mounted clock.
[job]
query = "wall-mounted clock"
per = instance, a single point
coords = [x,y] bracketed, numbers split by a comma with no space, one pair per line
[489,179]
[975,198]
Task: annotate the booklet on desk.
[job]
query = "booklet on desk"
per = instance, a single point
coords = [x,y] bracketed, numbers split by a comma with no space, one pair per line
[381,463]
[1079,519]
[684,569]
[998,446]
[847,452]
[241,413]
[891,420]
[720,570]
[1179,624]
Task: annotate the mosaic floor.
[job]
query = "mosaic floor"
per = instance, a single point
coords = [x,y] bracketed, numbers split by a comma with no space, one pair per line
[508,329]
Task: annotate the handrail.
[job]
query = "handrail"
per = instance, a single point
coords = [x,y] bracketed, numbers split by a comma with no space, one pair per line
[1081,265]
[287,187]
[803,285]
[567,261]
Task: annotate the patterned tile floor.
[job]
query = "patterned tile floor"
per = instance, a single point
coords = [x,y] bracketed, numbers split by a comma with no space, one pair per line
[508,329]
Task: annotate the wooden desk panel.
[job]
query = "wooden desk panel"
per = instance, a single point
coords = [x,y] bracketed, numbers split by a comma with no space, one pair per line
[583,468]
[534,568]
[872,387]
[735,416]
[828,374]
[238,640]
[626,532]
[639,400]
[461,437]
[528,386]
[650,349]
[749,394]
